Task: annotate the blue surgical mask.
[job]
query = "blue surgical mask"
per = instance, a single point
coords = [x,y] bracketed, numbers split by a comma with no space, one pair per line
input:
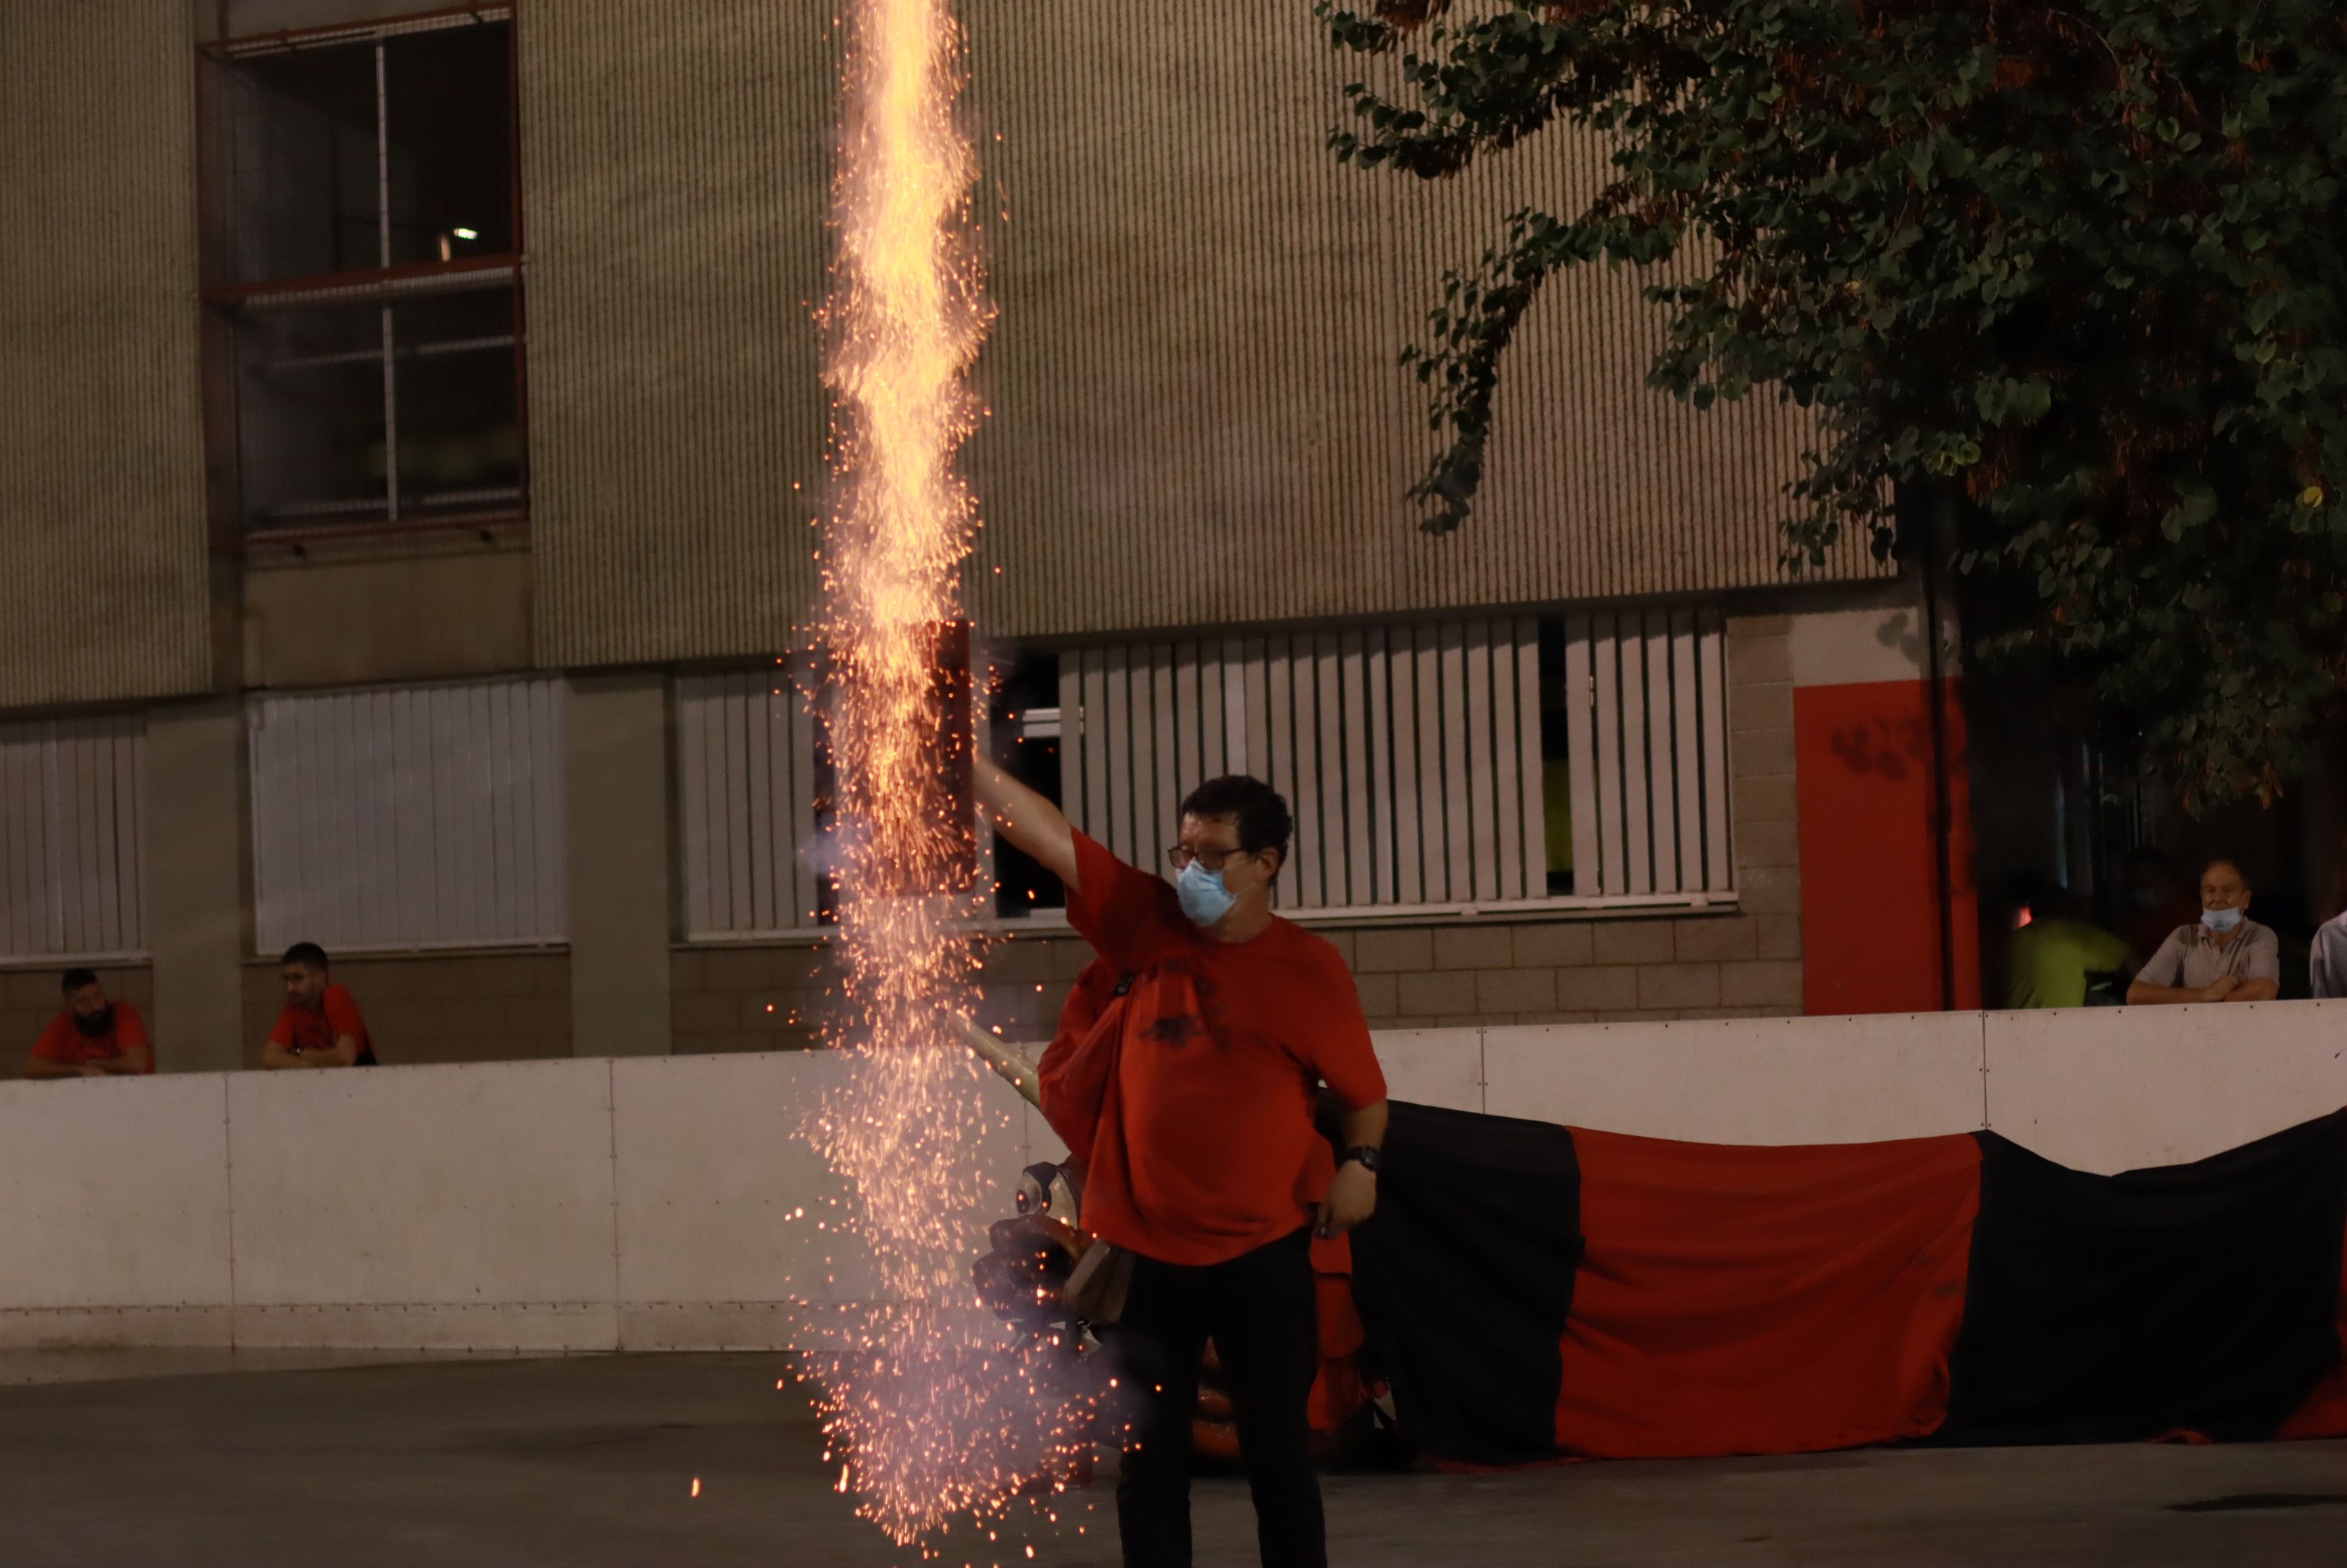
[2221,920]
[1204,898]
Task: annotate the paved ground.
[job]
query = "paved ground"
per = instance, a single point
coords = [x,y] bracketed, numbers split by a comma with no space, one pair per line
[589,1462]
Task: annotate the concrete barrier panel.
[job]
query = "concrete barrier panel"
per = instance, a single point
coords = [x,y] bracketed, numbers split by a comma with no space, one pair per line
[472,1186]
[720,1195]
[1756,1080]
[116,1194]
[1433,1066]
[2114,1089]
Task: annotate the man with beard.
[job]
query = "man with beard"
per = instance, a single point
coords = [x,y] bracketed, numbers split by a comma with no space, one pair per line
[92,1037]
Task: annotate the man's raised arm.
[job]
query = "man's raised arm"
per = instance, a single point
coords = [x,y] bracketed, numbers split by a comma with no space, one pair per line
[1028,821]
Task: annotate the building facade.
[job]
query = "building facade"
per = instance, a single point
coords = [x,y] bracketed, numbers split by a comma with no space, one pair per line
[412,450]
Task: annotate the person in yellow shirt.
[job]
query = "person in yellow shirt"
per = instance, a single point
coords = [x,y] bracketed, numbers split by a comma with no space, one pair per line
[2055,955]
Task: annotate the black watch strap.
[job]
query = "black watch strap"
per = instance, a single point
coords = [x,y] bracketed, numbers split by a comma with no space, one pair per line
[1364,1155]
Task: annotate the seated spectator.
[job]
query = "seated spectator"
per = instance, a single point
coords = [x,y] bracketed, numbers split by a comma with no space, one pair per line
[93,1037]
[2055,956]
[2326,956]
[2226,958]
[2326,959]
[321,1026]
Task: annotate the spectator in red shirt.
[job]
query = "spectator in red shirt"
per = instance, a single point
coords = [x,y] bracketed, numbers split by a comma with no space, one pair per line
[1204,1161]
[321,1026]
[93,1037]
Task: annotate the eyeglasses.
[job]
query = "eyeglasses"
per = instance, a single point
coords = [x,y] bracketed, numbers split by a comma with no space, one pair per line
[1213,860]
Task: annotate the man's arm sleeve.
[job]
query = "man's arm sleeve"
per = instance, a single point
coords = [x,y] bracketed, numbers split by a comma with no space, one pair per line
[343,1013]
[2265,957]
[282,1031]
[1347,1061]
[2326,962]
[2109,952]
[52,1045]
[1116,904]
[2166,967]
[130,1029]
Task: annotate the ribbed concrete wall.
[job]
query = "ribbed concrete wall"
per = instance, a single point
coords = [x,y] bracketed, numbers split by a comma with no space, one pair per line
[103,563]
[1197,412]
[673,188]
[1198,415]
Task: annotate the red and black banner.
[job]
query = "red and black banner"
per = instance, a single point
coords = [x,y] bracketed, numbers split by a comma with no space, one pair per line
[1530,1291]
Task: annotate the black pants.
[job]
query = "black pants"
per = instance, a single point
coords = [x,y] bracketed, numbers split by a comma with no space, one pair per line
[1259,1309]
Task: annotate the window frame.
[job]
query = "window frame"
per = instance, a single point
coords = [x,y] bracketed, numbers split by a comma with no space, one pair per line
[235,528]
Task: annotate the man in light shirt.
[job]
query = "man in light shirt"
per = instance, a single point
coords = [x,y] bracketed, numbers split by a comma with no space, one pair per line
[2226,957]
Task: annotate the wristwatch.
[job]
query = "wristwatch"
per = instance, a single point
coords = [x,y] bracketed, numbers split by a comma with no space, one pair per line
[1365,1155]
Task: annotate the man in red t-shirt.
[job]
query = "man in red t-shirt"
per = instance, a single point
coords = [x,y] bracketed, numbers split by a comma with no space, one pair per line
[321,1026]
[93,1037]
[1204,1161]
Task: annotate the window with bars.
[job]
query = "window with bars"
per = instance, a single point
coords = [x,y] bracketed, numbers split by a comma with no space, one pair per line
[1438,767]
[1434,767]
[751,791]
[427,816]
[361,251]
[1644,699]
[71,883]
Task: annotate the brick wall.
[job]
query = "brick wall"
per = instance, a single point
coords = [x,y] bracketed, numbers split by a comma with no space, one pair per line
[29,999]
[444,1006]
[1739,963]
[771,998]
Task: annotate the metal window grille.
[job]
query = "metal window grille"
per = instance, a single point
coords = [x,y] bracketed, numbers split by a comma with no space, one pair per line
[71,860]
[1410,755]
[1646,745]
[430,816]
[746,786]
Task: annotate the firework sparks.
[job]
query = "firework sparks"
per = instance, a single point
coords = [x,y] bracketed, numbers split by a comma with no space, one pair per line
[933,1410]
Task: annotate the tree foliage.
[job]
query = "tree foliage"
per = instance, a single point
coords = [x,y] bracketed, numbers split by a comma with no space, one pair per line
[2079,265]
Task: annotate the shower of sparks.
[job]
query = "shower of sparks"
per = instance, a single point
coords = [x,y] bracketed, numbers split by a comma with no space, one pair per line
[932,1408]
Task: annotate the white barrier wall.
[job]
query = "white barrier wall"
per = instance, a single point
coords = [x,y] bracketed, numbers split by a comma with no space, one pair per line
[2110,1088]
[1765,1080]
[669,1202]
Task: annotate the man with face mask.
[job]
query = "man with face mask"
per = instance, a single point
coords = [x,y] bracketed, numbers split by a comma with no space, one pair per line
[2226,957]
[1205,1164]
[95,1037]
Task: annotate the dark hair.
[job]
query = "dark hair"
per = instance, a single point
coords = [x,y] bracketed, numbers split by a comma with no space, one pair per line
[1256,807]
[309,954]
[76,979]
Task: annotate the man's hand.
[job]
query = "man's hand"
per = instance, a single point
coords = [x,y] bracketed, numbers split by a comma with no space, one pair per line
[1352,1198]
[1353,1191]
[2217,990]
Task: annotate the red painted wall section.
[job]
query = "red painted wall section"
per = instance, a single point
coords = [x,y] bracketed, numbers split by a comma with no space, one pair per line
[1871,907]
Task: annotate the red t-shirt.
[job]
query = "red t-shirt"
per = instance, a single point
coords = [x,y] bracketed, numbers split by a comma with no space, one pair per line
[61,1042]
[317,1028]
[1206,1147]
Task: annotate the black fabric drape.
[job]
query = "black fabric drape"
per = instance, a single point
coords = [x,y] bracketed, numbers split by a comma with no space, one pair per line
[2116,1308]
[1463,1278]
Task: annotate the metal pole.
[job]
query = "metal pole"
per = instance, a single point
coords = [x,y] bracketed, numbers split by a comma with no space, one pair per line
[1010,1064]
[383,258]
[1943,804]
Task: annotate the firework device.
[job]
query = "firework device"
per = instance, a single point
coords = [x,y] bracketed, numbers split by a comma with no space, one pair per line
[1010,1064]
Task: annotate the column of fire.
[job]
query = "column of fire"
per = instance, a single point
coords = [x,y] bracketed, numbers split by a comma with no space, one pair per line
[930,1412]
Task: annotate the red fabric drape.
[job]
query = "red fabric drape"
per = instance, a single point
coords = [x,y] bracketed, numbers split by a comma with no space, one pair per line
[2324,1413]
[1764,1300]
[1337,1390]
